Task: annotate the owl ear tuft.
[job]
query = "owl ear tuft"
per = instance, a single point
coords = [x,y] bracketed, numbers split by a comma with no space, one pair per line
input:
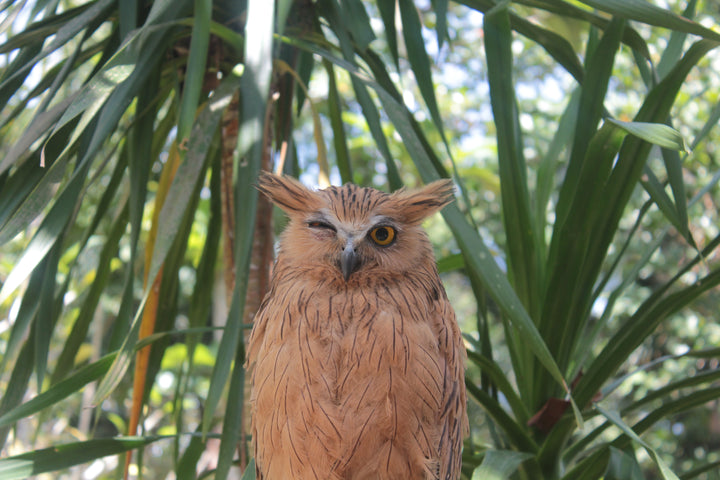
[287,193]
[417,204]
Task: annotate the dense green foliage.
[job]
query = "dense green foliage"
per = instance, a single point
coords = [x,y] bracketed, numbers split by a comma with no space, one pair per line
[581,253]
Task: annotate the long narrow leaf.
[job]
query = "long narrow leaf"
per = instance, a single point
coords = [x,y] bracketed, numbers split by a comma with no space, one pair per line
[522,243]
[419,60]
[499,379]
[80,328]
[60,457]
[667,474]
[645,12]
[59,391]
[516,433]
[46,236]
[195,71]
[339,137]
[369,110]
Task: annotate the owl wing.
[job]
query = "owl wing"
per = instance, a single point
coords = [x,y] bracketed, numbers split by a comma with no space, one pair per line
[453,415]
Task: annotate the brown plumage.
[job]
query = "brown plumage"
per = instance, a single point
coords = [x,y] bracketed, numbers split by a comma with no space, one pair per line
[358,362]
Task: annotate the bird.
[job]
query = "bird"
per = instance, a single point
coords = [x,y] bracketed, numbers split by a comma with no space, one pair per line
[356,356]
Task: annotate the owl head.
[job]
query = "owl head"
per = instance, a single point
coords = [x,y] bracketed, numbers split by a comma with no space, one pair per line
[354,231]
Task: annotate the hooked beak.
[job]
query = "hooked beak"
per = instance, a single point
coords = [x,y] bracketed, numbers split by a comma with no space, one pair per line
[349,260]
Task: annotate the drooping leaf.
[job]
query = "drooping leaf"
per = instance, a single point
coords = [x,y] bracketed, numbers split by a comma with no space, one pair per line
[665,471]
[655,133]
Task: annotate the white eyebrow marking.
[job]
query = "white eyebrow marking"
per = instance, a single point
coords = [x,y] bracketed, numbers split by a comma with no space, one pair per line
[381,219]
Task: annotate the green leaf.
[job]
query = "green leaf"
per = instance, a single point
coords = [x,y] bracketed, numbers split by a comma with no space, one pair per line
[128,17]
[387,14]
[356,20]
[590,111]
[657,193]
[15,390]
[655,133]
[665,471]
[558,48]
[451,263]
[249,471]
[522,243]
[25,316]
[498,378]
[673,51]
[549,164]
[70,25]
[47,314]
[232,420]
[93,96]
[623,466]
[59,457]
[673,406]
[38,127]
[592,467]
[637,328]
[175,207]
[441,8]
[342,153]
[195,71]
[187,464]
[696,472]
[369,110]
[499,464]
[47,235]
[517,434]
[419,60]
[676,178]
[647,13]
[81,326]
[59,391]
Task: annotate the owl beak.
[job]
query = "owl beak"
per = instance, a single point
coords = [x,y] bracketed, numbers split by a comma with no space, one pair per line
[349,261]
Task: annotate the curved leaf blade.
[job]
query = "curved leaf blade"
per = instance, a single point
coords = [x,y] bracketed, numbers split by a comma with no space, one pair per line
[655,133]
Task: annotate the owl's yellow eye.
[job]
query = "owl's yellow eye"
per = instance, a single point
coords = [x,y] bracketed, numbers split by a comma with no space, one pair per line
[383,235]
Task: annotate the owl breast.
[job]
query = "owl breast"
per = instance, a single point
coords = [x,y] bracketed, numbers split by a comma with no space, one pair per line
[348,374]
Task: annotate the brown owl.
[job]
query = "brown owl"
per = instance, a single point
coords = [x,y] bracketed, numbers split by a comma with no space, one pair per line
[358,363]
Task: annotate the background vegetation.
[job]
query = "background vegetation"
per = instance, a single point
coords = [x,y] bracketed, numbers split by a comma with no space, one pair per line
[581,253]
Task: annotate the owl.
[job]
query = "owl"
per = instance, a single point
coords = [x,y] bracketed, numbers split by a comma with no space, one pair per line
[357,359]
